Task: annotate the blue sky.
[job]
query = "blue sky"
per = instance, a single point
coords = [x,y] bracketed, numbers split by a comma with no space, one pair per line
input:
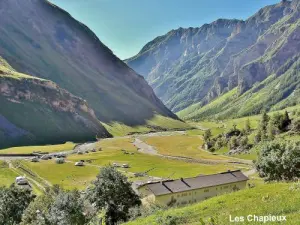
[125,26]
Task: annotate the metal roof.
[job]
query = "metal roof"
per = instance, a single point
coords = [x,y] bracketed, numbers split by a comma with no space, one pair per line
[202,181]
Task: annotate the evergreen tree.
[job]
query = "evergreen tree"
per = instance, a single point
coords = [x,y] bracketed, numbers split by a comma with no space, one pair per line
[207,135]
[247,126]
[264,121]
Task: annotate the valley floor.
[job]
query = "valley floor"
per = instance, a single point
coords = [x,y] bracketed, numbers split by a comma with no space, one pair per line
[165,154]
[161,155]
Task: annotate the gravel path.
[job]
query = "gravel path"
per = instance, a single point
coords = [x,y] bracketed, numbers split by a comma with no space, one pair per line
[145,148]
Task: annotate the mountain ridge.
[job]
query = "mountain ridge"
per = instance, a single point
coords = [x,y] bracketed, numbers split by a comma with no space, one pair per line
[189,66]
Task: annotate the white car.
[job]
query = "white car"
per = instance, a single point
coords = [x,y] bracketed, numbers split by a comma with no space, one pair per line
[21,181]
[79,164]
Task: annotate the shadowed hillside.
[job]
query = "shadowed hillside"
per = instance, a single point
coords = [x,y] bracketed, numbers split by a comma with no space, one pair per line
[38,111]
[42,40]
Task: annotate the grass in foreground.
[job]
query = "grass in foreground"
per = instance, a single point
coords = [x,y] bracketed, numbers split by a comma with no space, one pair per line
[264,199]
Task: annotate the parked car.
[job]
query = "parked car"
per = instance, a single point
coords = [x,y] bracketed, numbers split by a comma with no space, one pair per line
[125,166]
[21,181]
[116,165]
[80,163]
[35,159]
[46,157]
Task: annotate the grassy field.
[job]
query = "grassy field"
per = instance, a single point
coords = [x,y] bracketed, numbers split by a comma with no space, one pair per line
[157,123]
[264,199]
[7,176]
[46,148]
[181,145]
[66,175]
[69,176]
[140,162]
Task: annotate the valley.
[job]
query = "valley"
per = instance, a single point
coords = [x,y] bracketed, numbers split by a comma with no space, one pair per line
[167,154]
[171,161]
[201,126]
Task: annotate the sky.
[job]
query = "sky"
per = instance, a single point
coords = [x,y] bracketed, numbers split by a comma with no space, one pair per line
[125,26]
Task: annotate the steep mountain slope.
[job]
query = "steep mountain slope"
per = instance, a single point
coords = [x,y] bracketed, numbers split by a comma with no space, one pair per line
[196,65]
[42,40]
[268,81]
[37,111]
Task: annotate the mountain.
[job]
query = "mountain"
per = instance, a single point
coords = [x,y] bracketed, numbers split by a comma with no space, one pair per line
[38,111]
[40,39]
[227,68]
[59,83]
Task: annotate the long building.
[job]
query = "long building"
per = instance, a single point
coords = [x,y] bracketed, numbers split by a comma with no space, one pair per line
[191,190]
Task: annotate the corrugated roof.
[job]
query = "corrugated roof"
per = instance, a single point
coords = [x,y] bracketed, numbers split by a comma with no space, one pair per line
[202,181]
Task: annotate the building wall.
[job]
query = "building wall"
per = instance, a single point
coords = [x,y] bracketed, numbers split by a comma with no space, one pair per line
[193,196]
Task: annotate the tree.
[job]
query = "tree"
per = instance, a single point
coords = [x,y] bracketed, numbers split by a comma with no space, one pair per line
[207,135]
[243,142]
[247,126]
[219,143]
[233,143]
[68,209]
[271,131]
[13,201]
[57,207]
[264,121]
[112,192]
[286,121]
[279,160]
[257,137]
[296,125]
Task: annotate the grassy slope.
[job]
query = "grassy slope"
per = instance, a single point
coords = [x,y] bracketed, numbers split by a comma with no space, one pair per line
[157,123]
[7,176]
[45,148]
[264,199]
[273,93]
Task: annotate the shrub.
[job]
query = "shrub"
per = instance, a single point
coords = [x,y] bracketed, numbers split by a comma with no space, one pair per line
[13,202]
[112,191]
[279,160]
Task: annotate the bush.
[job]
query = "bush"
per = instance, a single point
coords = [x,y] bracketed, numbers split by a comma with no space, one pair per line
[57,207]
[279,160]
[112,191]
[13,202]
